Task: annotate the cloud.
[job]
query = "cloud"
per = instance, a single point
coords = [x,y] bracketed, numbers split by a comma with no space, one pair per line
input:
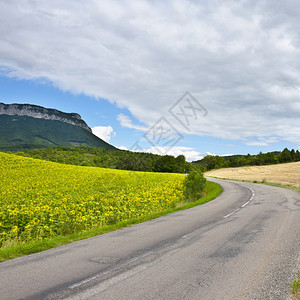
[189,153]
[125,121]
[239,59]
[123,148]
[103,132]
[211,154]
[256,143]
[227,154]
[261,141]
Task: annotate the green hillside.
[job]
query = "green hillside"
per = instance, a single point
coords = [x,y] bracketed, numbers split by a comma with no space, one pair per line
[23,132]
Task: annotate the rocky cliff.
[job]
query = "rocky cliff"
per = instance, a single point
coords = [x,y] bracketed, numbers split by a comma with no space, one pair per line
[40,112]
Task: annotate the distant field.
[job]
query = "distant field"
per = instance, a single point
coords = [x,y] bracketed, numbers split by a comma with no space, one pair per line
[285,174]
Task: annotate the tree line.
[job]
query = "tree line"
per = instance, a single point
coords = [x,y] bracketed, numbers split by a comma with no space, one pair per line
[148,162]
[211,162]
[107,158]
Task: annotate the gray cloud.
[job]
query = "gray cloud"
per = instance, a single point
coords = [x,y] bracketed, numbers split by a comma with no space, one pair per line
[240,59]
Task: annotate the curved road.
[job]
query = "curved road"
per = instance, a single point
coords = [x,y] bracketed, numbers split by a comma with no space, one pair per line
[243,245]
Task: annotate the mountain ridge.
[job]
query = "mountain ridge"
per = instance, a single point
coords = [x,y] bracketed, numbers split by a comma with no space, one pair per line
[39,112]
[28,126]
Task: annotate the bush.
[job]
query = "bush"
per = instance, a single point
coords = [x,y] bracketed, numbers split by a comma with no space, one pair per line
[194,185]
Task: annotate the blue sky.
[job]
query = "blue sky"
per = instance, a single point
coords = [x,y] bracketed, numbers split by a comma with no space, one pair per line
[125,68]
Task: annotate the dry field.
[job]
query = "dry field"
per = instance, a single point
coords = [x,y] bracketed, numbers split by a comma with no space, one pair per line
[285,174]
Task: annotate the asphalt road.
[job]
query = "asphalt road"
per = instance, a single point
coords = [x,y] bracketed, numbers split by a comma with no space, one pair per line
[243,245]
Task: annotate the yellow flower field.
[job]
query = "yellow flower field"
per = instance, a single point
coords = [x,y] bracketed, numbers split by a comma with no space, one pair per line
[41,199]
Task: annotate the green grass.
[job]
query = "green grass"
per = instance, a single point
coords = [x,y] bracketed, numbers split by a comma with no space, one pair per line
[296,287]
[212,190]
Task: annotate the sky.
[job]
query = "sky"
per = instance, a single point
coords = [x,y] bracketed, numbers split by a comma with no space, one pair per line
[168,77]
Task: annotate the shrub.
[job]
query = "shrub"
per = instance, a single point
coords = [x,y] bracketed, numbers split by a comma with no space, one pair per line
[194,185]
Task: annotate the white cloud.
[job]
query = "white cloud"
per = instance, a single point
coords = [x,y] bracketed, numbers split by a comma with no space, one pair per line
[211,154]
[189,153]
[125,121]
[261,141]
[122,148]
[240,59]
[256,143]
[227,154]
[103,132]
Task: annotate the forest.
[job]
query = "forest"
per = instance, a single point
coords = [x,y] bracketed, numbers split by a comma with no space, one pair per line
[113,159]
[211,162]
[138,161]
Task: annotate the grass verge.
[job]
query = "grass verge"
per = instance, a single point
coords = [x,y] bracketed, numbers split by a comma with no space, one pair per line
[212,190]
[296,288]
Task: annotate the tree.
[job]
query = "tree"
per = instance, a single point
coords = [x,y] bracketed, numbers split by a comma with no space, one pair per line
[166,163]
[285,156]
[181,163]
[194,184]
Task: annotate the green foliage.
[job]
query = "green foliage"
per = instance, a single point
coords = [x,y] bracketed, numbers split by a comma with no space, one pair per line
[211,162]
[181,163]
[107,158]
[22,132]
[194,185]
[169,164]
[285,156]
[296,287]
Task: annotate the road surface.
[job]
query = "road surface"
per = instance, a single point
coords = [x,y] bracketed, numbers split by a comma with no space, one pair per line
[243,245]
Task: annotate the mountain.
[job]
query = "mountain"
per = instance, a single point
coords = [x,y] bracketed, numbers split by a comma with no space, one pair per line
[26,126]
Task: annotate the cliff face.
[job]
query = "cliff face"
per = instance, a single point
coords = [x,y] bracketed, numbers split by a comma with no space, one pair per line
[40,112]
